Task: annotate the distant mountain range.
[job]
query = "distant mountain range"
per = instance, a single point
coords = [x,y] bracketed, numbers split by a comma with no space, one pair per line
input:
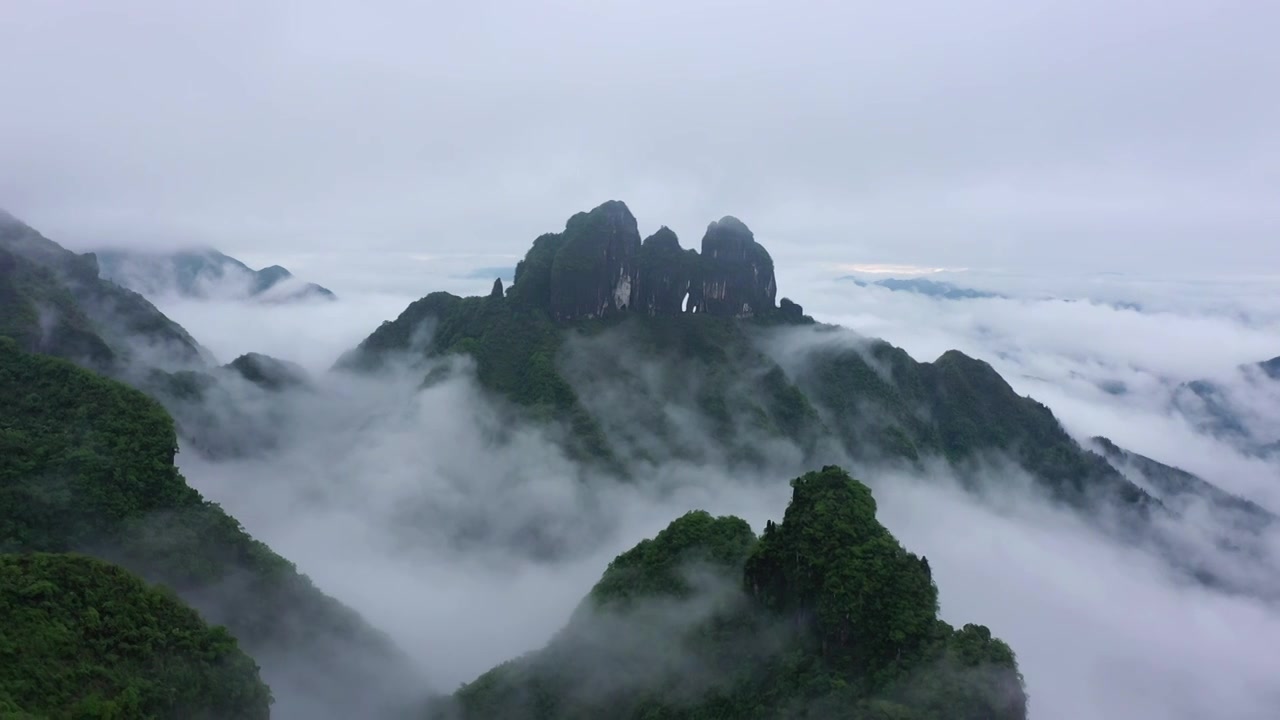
[204,273]
[922,286]
[1244,413]
[950,291]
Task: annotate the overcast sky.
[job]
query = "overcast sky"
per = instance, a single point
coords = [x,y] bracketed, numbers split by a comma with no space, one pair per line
[1080,136]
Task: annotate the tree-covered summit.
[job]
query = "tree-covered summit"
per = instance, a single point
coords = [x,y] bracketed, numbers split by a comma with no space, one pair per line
[825,616]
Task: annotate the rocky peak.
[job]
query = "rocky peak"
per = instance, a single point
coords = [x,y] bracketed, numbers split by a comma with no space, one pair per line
[737,272]
[665,275]
[594,270]
[598,265]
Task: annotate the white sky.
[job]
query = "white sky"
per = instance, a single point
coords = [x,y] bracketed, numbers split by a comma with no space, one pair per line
[1081,136]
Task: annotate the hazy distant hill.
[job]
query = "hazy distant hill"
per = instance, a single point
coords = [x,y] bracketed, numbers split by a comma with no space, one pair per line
[204,274]
[923,286]
[1243,410]
[949,291]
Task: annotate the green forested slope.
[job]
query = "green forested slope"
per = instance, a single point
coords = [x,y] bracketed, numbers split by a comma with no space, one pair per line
[86,465]
[825,616]
[82,639]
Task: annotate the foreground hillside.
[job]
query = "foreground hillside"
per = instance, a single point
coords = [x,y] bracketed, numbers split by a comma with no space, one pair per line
[86,465]
[85,639]
[824,616]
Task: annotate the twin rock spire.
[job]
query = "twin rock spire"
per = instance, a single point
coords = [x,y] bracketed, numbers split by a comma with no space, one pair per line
[598,266]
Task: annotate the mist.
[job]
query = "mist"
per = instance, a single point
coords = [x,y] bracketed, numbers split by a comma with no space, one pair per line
[1108,168]
[471,537]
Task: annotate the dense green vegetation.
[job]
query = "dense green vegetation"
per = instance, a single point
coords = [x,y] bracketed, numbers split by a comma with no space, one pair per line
[825,616]
[82,639]
[86,464]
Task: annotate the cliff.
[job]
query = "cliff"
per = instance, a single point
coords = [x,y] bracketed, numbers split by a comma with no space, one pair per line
[737,273]
[598,267]
[594,270]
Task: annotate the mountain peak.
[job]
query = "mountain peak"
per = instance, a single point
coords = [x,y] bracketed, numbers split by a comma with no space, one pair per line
[730,224]
[598,266]
[737,272]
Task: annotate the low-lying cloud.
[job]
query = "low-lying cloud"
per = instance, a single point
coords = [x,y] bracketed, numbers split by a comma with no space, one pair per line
[471,538]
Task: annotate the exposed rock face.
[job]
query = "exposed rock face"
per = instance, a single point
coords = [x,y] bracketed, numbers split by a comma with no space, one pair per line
[737,272]
[666,273]
[594,270]
[598,266]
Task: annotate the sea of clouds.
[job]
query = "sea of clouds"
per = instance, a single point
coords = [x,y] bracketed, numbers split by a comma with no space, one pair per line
[421,507]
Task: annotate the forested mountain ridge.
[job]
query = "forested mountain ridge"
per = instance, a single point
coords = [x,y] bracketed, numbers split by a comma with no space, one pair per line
[595,308]
[86,465]
[824,616]
[612,342]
